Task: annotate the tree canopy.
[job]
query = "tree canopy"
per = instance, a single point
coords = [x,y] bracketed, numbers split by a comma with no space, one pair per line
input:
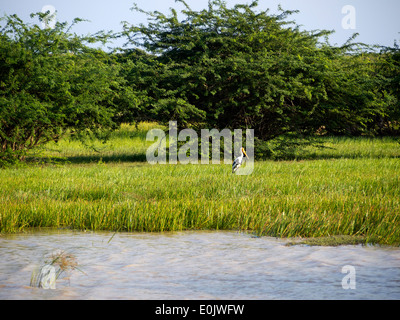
[237,67]
[51,83]
[220,67]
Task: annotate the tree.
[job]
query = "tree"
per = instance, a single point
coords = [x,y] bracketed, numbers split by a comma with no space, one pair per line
[387,70]
[239,68]
[53,83]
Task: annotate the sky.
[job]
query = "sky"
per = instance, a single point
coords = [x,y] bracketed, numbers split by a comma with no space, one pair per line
[376,22]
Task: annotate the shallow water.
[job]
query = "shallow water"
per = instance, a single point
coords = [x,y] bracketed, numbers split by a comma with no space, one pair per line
[195,265]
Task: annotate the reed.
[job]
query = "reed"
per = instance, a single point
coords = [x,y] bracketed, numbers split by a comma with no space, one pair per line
[335,193]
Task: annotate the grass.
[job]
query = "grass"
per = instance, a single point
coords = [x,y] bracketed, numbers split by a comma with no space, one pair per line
[331,241]
[348,192]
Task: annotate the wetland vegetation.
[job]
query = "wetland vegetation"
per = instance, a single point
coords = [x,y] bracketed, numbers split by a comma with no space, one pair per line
[71,155]
[351,188]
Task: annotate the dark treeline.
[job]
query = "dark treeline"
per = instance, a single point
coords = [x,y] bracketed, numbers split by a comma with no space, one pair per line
[220,67]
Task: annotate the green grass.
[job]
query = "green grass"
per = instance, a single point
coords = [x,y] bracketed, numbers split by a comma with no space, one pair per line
[351,189]
[125,145]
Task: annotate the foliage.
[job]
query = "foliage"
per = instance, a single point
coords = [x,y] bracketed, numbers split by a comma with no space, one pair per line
[239,68]
[52,82]
[220,67]
[388,69]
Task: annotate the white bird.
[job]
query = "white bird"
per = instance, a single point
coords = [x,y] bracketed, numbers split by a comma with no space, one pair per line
[238,161]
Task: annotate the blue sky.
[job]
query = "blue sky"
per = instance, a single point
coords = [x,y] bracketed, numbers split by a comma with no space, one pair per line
[377,22]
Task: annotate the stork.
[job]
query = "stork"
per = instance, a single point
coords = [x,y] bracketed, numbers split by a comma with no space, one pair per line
[238,161]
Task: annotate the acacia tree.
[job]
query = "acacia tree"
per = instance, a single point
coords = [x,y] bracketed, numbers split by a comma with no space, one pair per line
[51,83]
[387,69]
[237,67]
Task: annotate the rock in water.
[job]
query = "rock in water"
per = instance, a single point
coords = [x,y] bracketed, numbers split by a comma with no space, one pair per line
[47,277]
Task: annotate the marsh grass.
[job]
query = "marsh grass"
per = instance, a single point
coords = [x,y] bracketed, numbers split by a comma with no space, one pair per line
[350,189]
[331,241]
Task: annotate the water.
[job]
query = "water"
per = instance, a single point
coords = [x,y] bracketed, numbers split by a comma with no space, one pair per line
[195,265]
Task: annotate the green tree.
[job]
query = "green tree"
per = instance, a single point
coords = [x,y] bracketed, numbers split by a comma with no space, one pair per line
[52,83]
[240,68]
[387,70]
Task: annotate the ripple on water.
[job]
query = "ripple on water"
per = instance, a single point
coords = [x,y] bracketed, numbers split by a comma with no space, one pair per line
[195,265]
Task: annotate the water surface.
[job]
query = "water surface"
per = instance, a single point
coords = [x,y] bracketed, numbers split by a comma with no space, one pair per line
[195,265]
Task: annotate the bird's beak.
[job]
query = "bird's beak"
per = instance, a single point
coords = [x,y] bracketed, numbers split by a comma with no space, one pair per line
[245,154]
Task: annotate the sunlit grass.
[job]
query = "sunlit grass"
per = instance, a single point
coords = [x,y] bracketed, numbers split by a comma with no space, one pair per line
[127,144]
[351,190]
[353,148]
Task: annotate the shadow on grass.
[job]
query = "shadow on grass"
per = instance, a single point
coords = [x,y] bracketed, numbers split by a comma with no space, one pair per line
[311,157]
[87,159]
[108,158]
[125,158]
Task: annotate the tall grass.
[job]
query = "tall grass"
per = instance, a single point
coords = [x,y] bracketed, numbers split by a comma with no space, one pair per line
[332,195]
